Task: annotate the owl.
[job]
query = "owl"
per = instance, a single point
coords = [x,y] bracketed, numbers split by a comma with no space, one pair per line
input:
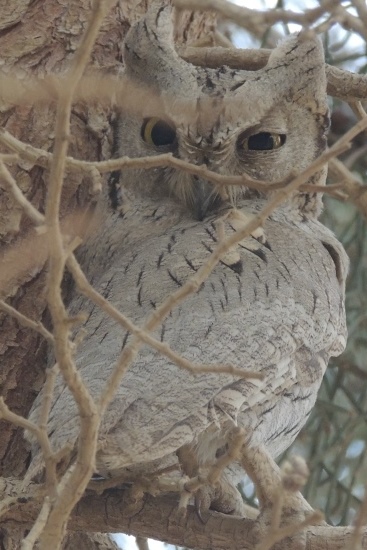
[273,305]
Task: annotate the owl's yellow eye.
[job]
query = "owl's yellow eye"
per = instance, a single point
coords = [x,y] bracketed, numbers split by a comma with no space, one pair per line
[157,132]
[263,141]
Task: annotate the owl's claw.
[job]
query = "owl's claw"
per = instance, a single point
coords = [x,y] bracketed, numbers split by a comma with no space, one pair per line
[203,502]
[223,498]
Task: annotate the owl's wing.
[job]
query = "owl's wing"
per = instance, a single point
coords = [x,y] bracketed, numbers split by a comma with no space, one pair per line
[274,307]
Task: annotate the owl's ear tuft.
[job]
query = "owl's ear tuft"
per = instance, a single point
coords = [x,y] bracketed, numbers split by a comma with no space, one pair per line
[301,58]
[154,29]
[150,56]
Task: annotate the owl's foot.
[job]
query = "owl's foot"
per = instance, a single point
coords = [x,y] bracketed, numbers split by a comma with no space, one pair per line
[212,490]
[222,497]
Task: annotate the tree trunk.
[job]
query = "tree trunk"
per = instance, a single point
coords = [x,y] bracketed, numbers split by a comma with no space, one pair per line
[38,39]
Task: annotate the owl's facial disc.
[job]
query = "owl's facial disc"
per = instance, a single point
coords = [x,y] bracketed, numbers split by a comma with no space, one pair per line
[237,153]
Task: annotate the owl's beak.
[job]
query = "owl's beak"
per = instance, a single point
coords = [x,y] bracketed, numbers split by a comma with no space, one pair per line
[203,198]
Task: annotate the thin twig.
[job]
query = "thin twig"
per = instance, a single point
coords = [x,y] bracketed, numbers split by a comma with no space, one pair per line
[38,526]
[37,431]
[74,482]
[42,158]
[26,321]
[257,22]
[34,155]
[87,289]
[48,455]
[10,182]
[16,419]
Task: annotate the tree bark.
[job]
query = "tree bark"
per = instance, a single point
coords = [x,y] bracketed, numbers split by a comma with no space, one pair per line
[38,39]
[157,518]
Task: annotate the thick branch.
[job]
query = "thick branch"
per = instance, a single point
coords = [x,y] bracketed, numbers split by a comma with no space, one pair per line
[340,83]
[255,21]
[106,88]
[156,518]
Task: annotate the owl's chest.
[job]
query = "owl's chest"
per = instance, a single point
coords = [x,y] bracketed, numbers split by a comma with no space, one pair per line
[267,296]
[285,267]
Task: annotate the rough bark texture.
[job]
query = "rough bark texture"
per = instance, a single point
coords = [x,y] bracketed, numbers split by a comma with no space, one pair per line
[40,38]
[157,518]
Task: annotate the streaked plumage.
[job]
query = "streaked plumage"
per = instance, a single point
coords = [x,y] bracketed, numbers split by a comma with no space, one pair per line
[275,306]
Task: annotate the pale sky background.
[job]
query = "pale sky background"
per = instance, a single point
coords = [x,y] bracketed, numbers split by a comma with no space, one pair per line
[355,44]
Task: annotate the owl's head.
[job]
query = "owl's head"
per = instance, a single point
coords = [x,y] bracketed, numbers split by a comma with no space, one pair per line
[267,124]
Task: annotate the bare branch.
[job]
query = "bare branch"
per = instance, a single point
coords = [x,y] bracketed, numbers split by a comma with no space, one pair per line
[40,432]
[41,158]
[16,419]
[88,290]
[73,485]
[258,22]
[255,21]
[38,526]
[340,83]
[154,519]
[26,321]
[10,182]
[49,457]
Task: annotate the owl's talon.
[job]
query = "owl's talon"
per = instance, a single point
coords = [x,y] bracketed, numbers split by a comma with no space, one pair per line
[180,513]
[203,498]
[198,513]
[223,498]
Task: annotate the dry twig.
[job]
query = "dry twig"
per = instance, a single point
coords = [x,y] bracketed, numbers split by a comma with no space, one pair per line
[30,540]
[76,482]
[88,290]
[255,21]
[26,321]
[340,83]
